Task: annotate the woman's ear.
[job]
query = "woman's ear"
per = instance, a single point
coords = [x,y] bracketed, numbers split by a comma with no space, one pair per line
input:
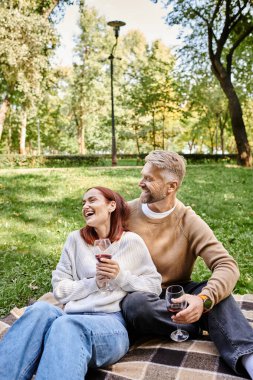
[112,206]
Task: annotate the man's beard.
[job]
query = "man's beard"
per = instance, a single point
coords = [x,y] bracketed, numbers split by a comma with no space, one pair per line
[148,197]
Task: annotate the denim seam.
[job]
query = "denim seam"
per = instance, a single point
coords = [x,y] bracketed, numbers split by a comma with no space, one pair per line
[238,353]
[82,356]
[28,367]
[111,333]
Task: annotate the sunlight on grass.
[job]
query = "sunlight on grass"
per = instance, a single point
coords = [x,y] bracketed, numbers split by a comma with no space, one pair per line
[40,207]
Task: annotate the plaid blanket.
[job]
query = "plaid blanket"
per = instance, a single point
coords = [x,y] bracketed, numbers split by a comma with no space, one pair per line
[162,359]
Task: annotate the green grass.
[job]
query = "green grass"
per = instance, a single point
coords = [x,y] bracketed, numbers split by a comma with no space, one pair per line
[40,207]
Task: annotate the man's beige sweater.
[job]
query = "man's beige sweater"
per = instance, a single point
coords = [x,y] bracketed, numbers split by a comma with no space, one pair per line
[177,240]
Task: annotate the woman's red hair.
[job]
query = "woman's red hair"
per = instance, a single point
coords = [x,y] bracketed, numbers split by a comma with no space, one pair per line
[118,217]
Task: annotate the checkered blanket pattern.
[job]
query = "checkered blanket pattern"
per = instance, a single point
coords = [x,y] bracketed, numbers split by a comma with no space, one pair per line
[158,359]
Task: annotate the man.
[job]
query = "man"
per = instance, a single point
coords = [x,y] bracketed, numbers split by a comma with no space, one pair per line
[176,236]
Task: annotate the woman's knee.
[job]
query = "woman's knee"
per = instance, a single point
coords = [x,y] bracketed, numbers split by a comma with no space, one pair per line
[68,325]
[44,309]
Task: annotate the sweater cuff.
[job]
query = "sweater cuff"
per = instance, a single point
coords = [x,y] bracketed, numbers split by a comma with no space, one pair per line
[121,278]
[92,284]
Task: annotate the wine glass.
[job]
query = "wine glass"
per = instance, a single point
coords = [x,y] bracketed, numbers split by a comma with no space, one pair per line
[101,252]
[176,291]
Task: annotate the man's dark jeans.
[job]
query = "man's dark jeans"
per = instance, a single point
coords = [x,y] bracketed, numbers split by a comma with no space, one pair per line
[146,315]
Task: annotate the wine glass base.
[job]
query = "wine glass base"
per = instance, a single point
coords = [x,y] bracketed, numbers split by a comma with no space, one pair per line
[179,335]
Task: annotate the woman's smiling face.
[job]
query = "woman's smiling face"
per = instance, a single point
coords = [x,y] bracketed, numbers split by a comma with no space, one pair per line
[97,209]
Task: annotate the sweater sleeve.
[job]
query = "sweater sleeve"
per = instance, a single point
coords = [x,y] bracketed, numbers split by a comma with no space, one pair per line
[140,273]
[66,284]
[224,269]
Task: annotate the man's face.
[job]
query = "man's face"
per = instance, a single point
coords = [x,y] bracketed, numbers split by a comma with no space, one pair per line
[153,184]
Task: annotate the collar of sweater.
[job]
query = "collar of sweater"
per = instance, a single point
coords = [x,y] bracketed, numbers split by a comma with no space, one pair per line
[155,215]
[171,218]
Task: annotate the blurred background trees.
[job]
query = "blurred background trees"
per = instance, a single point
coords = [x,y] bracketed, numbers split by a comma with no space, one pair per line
[163,99]
[216,38]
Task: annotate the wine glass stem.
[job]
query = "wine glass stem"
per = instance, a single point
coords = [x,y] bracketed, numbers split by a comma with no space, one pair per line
[179,332]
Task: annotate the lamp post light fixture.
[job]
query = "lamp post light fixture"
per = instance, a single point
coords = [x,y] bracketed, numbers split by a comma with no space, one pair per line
[116,25]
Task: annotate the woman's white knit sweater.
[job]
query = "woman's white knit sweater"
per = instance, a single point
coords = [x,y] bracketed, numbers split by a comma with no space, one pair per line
[74,282]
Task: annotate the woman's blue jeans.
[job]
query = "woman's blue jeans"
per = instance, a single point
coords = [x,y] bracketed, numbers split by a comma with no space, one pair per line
[146,315]
[60,346]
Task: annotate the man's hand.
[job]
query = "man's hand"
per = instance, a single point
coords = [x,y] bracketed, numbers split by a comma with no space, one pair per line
[193,311]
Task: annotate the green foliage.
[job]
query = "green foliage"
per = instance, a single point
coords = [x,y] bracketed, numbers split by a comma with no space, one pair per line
[26,42]
[199,19]
[89,85]
[157,103]
[52,9]
[26,161]
[40,161]
[149,96]
[207,126]
[40,207]
[216,37]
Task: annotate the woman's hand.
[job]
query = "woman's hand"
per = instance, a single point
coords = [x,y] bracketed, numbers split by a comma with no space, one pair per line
[107,269]
[101,281]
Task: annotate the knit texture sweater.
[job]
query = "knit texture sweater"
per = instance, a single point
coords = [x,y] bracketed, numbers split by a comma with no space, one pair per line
[74,282]
[176,241]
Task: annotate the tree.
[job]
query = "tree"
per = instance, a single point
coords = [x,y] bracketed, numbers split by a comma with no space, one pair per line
[25,44]
[219,31]
[88,83]
[150,94]
[206,106]
[49,9]
[26,39]
[132,57]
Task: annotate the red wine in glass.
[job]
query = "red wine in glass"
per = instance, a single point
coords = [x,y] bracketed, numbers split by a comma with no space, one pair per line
[174,292]
[175,310]
[101,246]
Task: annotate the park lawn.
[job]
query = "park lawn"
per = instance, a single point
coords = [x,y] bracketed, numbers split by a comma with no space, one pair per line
[39,207]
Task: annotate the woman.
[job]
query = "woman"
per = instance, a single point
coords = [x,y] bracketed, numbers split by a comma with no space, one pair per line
[91,331]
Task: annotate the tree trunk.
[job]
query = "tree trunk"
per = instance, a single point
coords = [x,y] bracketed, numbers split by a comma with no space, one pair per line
[222,125]
[3,112]
[235,111]
[216,137]
[163,133]
[22,140]
[190,145]
[136,139]
[80,133]
[239,130]
[222,142]
[154,131]
[211,136]
[10,139]
[81,138]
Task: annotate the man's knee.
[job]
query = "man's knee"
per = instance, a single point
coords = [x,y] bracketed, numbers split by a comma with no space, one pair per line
[227,305]
[138,304]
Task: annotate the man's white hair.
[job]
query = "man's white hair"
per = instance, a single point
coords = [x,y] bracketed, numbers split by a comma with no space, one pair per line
[172,164]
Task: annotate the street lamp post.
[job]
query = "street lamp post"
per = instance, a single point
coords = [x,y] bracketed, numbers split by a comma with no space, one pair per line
[116,26]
